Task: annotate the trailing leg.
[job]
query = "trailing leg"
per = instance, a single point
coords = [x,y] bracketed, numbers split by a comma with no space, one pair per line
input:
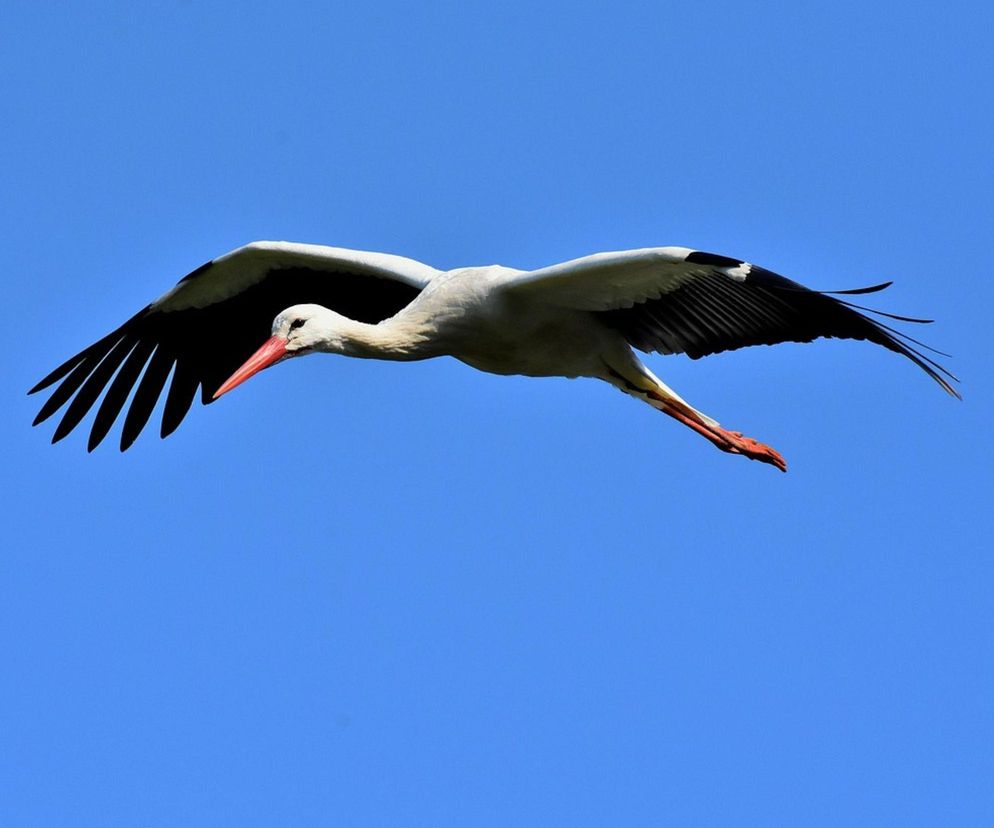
[646,386]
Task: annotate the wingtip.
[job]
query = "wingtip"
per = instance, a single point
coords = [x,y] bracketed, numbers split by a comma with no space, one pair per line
[860,291]
[128,435]
[167,428]
[945,384]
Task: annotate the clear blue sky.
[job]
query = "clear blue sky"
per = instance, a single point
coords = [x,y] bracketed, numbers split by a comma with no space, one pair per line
[363,593]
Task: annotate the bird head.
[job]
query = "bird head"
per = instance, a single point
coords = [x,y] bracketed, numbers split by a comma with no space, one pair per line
[299,330]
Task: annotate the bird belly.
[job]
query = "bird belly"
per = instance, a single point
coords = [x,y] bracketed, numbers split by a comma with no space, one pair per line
[554,348]
[477,323]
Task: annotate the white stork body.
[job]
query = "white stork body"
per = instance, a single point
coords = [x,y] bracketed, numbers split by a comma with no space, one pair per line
[470,315]
[577,319]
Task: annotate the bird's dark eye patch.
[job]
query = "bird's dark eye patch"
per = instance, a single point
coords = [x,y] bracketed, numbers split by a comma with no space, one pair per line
[297,323]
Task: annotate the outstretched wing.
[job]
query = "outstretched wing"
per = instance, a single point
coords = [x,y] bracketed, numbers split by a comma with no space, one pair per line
[211,322]
[677,300]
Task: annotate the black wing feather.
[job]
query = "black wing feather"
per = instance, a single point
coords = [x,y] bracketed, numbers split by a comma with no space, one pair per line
[70,385]
[117,394]
[712,312]
[206,345]
[147,395]
[182,391]
[90,390]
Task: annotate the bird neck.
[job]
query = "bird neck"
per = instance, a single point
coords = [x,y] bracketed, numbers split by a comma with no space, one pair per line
[396,338]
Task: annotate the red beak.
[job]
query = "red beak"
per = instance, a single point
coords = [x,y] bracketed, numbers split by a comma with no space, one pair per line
[271,352]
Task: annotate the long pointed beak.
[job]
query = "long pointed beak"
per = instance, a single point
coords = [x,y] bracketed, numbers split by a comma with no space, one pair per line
[271,352]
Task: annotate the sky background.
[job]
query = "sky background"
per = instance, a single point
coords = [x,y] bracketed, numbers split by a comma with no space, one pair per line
[363,593]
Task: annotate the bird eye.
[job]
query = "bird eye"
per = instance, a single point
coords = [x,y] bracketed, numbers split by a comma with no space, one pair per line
[297,323]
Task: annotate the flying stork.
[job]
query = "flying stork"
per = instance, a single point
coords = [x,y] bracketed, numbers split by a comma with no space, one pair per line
[580,318]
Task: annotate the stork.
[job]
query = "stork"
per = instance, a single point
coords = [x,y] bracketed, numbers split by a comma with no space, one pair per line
[581,318]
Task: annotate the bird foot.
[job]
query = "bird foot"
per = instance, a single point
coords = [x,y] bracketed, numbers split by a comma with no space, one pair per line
[734,442]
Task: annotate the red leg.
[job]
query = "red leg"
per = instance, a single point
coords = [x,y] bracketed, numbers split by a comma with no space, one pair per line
[731,441]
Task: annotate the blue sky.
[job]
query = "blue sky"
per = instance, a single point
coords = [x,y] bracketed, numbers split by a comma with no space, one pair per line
[374,594]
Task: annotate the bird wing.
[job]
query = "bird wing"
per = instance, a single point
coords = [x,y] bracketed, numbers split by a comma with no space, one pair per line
[678,300]
[211,322]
